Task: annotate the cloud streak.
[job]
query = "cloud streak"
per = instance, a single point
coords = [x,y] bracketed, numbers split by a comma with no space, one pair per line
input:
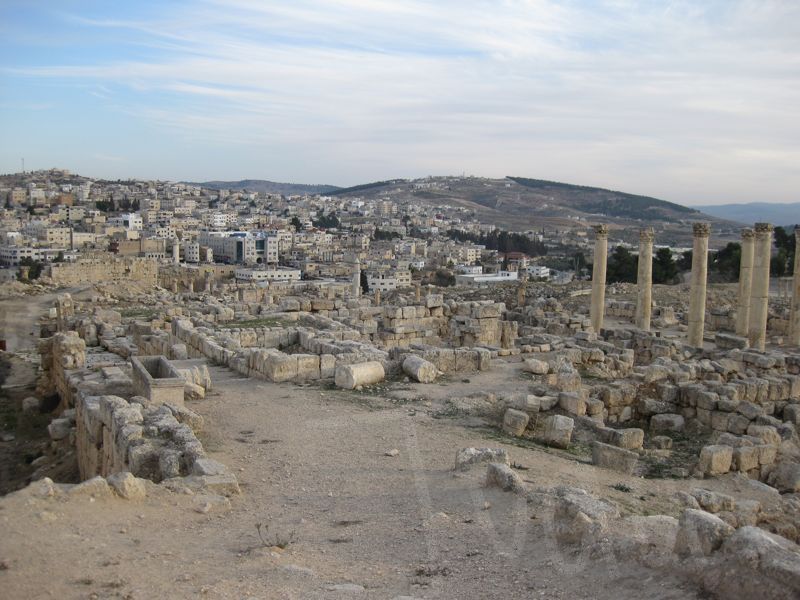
[690,101]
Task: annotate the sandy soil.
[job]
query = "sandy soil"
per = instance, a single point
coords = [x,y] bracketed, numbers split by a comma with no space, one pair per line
[312,463]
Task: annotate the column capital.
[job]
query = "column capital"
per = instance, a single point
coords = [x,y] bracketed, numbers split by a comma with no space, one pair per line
[647,234]
[763,228]
[747,233]
[797,235]
[701,229]
[601,230]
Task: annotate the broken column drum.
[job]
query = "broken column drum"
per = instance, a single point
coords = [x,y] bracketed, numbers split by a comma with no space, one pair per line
[759,291]
[794,313]
[745,282]
[599,276]
[644,280]
[697,300]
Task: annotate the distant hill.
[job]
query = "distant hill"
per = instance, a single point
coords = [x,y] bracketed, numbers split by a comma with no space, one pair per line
[365,186]
[753,212]
[267,187]
[594,200]
[521,202]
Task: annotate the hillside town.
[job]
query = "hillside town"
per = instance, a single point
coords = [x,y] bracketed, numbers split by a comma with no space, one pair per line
[50,218]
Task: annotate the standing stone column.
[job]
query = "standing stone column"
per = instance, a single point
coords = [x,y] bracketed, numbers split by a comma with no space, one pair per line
[697,300]
[759,290]
[356,285]
[644,279]
[599,277]
[176,252]
[377,297]
[745,283]
[521,288]
[794,312]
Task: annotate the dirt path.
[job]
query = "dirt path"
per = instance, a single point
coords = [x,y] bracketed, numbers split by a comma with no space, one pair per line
[313,462]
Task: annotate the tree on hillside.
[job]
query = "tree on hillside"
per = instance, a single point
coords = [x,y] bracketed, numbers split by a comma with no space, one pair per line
[783,262]
[578,263]
[685,261]
[665,270]
[622,266]
[444,278]
[329,221]
[727,260]
[35,267]
[296,224]
[502,241]
[382,235]
[364,282]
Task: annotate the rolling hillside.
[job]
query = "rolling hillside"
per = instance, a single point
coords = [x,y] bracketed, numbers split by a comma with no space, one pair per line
[268,187]
[767,212]
[518,202]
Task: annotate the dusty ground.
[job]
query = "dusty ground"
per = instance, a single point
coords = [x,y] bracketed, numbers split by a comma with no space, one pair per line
[312,463]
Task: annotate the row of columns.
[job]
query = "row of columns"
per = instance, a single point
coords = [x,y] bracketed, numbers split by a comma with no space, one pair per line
[753,296]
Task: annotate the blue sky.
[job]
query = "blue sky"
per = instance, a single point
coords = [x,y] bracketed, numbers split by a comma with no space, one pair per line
[696,102]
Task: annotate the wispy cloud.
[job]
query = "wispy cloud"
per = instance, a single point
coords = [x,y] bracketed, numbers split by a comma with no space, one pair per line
[652,96]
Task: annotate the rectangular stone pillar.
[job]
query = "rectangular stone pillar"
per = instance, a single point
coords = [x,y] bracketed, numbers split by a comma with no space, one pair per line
[745,282]
[697,299]
[355,288]
[597,310]
[794,312]
[644,279]
[759,290]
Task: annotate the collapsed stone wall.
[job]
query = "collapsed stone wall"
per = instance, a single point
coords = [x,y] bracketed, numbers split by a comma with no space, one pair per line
[60,354]
[748,401]
[257,352]
[548,316]
[155,442]
[714,543]
[115,422]
[662,316]
[113,429]
[723,318]
[447,360]
[81,272]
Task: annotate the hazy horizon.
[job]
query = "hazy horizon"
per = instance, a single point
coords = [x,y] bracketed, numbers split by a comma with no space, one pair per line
[698,105]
